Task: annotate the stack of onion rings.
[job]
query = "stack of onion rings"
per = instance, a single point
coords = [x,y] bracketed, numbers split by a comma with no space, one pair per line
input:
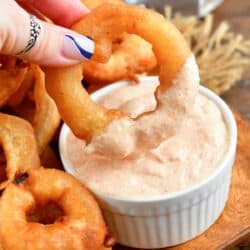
[23,93]
[33,103]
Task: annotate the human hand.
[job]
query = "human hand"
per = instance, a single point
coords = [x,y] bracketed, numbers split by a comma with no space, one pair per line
[52,44]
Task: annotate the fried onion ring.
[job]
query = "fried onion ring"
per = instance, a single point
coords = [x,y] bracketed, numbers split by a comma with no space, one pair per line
[19,145]
[26,109]
[27,83]
[87,119]
[131,55]
[91,4]
[39,109]
[74,220]
[10,81]
[46,119]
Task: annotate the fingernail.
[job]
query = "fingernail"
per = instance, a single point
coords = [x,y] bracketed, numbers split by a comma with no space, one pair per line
[78,47]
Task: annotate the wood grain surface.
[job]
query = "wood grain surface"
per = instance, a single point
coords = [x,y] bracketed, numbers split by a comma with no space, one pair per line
[233,225]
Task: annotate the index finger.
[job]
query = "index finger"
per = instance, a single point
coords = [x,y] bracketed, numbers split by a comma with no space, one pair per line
[62,12]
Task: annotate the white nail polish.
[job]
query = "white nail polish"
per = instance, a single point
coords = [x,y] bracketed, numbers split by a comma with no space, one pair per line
[77,47]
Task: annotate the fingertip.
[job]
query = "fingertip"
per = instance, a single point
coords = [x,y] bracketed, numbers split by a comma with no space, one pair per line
[77,11]
[64,13]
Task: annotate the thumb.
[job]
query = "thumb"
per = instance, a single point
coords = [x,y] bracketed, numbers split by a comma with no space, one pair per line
[40,42]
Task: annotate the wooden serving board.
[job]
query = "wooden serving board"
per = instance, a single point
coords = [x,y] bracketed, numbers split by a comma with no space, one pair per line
[233,226]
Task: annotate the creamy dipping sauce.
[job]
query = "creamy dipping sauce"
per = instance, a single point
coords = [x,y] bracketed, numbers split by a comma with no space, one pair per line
[185,158]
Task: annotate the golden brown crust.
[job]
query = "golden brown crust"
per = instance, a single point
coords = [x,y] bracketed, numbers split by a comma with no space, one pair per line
[80,227]
[32,102]
[46,119]
[10,81]
[110,21]
[131,56]
[91,4]
[85,118]
[19,145]
[27,83]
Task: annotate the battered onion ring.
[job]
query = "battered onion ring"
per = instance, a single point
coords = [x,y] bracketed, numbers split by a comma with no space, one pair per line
[19,145]
[81,225]
[46,119]
[131,55]
[91,4]
[26,109]
[40,110]
[10,81]
[87,119]
[27,83]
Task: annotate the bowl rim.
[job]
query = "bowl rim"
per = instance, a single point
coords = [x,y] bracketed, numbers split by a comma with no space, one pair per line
[229,121]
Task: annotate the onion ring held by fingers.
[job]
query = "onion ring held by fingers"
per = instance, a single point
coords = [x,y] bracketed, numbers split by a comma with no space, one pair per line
[19,145]
[74,220]
[86,118]
[131,56]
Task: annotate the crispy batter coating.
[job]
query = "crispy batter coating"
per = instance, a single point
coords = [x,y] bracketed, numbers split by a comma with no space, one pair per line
[34,104]
[27,83]
[50,159]
[130,56]
[46,119]
[19,145]
[78,221]
[10,81]
[84,117]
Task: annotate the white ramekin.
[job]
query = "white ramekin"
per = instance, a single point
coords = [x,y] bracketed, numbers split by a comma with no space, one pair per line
[174,218]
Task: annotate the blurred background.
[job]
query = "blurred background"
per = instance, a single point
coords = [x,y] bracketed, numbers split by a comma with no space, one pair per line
[187,7]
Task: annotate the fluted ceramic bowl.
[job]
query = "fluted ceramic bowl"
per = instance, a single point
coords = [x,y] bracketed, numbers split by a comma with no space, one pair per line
[173,218]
